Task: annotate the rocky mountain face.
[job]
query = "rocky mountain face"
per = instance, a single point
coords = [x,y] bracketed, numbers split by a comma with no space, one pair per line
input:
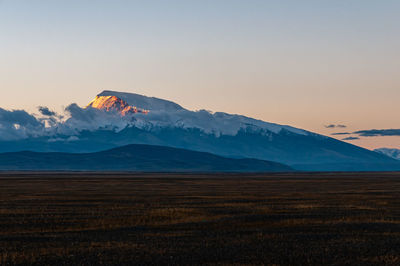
[113,103]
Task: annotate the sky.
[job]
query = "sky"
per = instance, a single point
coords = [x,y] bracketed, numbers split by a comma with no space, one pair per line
[308,64]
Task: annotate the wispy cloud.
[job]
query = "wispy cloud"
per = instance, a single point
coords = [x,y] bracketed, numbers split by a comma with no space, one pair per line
[369,133]
[351,138]
[341,133]
[332,126]
[378,132]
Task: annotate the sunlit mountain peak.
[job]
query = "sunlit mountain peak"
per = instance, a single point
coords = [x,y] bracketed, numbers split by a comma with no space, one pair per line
[113,103]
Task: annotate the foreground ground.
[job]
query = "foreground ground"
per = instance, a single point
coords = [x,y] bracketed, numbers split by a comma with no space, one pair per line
[122,219]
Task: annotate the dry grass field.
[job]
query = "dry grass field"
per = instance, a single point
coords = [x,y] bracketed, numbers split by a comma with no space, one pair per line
[192,219]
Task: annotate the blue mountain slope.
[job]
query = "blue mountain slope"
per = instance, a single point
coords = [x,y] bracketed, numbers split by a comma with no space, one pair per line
[311,153]
[136,158]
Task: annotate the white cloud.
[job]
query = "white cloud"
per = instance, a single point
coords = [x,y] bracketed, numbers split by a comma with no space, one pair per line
[18,124]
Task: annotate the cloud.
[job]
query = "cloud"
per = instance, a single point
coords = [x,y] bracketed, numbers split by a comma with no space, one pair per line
[351,138]
[92,119]
[341,133]
[20,117]
[369,133]
[378,132]
[69,139]
[335,126]
[46,111]
[50,118]
[17,124]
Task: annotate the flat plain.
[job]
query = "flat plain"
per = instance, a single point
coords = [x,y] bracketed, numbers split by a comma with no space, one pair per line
[199,219]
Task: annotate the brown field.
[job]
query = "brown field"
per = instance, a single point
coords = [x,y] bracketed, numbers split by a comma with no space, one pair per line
[192,219]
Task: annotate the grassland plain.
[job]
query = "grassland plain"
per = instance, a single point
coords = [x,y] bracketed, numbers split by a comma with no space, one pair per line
[197,219]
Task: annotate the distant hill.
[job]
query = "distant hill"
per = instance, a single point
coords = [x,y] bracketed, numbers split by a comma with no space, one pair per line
[144,158]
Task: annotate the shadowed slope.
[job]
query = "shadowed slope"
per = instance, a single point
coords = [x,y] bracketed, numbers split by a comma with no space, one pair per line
[136,158]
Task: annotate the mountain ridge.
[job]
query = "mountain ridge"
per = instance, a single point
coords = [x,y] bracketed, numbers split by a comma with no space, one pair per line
[136,157]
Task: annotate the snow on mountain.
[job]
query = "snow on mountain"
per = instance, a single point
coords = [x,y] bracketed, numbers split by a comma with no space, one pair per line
[393,153]
[163,113]
[144,102]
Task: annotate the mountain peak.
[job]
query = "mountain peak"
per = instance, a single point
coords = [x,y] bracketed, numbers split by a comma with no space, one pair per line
[113,103]
[143,102]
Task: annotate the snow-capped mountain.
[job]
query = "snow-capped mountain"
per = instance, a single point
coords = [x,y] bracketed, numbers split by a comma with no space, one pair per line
[116,119]
[163,113]
[141,101]
[393,153]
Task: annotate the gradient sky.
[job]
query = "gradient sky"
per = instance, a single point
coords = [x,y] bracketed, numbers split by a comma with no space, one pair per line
[302,63]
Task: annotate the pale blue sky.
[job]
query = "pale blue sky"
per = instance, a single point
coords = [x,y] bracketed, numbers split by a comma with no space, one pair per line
[303,63]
